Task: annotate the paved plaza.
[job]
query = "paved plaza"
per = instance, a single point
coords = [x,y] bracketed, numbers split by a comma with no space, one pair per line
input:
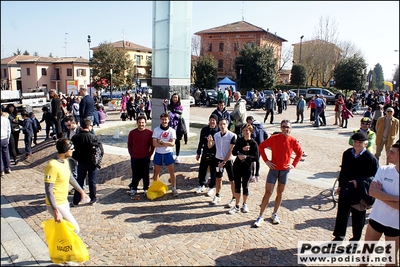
[182,230]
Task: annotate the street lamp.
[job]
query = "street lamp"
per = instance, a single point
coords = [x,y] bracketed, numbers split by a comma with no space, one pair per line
[90,82]
[301,39]
[111,73]
[240,73]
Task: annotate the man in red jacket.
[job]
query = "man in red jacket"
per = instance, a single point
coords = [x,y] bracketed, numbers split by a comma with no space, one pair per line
[282,145]
[140,147]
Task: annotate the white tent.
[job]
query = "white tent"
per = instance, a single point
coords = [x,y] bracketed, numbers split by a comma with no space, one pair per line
[226,83]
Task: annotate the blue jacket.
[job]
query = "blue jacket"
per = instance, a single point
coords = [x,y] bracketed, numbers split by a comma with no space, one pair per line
[86,107]
[27,126]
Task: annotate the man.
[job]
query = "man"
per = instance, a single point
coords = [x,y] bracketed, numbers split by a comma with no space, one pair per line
[57,178]
[285,98]
[83,143]
[387,128]
[223,141]
[140,148]
[238,114]
[384,217]
[301,105]
[72,127]
[270,107]
[207,156]
[86,106]
[364,127]
[56,112]
[357,169]
[222,112]
[319,108]
[164,138]
[5,137]
[282,145]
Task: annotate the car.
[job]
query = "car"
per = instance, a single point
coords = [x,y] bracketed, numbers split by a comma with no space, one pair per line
[211,97]
[191,101]
[115,94]
[267,93]
[299,92]
[328,95]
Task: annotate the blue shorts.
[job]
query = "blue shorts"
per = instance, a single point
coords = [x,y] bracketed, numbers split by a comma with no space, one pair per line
[274,175]
[163,159]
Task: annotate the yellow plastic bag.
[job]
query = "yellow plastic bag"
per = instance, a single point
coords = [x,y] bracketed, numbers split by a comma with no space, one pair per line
[64,244]
[156,190]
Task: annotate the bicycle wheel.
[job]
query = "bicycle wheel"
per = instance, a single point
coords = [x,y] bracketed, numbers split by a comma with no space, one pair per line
[335,196]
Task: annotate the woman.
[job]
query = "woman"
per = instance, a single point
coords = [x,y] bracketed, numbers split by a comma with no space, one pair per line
[174,110]
[57,177]
[124,100]
[246,150]
[15,130]
[312,105]
[130,107]
[75,108]
[147,106]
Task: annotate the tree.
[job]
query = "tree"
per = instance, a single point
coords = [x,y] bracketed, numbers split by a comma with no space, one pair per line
[379,76]
[51,54]
[205,72]
[396,78]
[36,54]
[299,75]
[371,80]
[348,73]
[18,52]
[259,67]
[107,57]
[149,69]
[26,53]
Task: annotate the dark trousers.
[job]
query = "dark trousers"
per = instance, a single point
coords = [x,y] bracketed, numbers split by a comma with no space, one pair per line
[57,124]
[285,105]
[28,144]
[92,173]
[312,114]
[16,139]
[5,155]
[11,147]
[271,111]
[344,122]
[342,217]
[322,117]
[140,170]
[52,127]
[242,175]
[300,115]
[204,164]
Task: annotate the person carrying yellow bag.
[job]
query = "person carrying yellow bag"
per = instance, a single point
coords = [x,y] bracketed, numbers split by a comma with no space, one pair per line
[57,177]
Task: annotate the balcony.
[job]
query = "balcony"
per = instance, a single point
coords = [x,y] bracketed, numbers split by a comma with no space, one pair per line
[55,77]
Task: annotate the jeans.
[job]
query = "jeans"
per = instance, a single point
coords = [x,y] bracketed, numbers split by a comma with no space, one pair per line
[5,155]
[28,144]
[92,173]
[317,113]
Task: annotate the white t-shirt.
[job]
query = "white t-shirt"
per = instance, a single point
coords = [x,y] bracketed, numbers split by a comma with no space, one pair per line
[285,96]
[381,212]
[223,144]
[165,136]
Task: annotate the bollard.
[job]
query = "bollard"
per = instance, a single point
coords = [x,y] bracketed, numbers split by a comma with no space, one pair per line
[116,136]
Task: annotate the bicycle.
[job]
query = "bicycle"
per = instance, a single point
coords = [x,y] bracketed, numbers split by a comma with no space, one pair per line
[335,195]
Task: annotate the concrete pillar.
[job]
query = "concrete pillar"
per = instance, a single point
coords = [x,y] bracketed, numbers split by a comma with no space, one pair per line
[171,59]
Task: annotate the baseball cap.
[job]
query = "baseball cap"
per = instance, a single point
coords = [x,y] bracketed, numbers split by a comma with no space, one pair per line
[366,120]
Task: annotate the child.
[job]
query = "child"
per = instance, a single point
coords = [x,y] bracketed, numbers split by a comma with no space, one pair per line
[48,119]
[346,114]
[140,110]
[123,116]
[27,129]
[36,126]
[102,115]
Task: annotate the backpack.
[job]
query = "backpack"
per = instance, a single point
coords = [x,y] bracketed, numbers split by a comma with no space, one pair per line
[97,153]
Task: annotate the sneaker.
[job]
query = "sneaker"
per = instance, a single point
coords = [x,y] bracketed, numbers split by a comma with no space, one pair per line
[200,189]
[245,209]
[174,192]
[177,160]
[234,210]
[216,200]
[252,179]
[258,222]
[256,178]
[145,192]
[94,201]
[7,170]
[231,203]
[275,219]
[211,192]
[132,192]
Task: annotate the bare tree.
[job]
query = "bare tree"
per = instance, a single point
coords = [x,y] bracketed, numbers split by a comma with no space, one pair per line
[196,45]
[349,49]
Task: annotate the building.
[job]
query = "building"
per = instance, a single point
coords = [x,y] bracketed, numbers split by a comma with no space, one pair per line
[11,72]
[224,44]
[139,55]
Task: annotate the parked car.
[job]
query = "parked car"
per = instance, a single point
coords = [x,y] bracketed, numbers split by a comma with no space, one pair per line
[115,94]
[299,92]
[328,95]
[267,93]
[211,97]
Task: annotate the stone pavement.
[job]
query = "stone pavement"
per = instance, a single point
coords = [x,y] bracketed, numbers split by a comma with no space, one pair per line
[185,230]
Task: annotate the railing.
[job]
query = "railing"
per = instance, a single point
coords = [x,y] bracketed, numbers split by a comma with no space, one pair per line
[55,77]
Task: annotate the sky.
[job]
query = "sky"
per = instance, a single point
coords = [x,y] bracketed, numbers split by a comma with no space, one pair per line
[62,27]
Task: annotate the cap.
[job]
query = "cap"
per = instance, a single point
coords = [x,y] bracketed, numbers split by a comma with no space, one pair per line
[360,136]
[366,120]
[213,116]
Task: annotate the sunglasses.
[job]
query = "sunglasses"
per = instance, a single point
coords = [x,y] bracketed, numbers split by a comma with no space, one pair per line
[389,111]
[365,123]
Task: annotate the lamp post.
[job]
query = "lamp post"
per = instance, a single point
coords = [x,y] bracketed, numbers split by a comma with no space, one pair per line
[301,40]
[90,82]
[240,74]
[111,74]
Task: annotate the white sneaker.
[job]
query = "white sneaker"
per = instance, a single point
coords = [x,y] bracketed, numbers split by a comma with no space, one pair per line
[174,192]
[257,178]
[231,203]
[234,210]
[258,222]
[216,200]
[211,192]
[177,160]
[200,189]
[252,179]
[132,192]
[275,219]
[145,192]
[245,209]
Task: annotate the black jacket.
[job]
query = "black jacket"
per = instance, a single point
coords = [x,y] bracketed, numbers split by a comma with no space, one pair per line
[83,142]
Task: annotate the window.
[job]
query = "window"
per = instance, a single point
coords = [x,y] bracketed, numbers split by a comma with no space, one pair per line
[28,71]
[221,47]
[69,72]
[210,47]
[44,71]
[80,72]
[19,74]
[4,73]
[236,47]
[138,60]
[220,64]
